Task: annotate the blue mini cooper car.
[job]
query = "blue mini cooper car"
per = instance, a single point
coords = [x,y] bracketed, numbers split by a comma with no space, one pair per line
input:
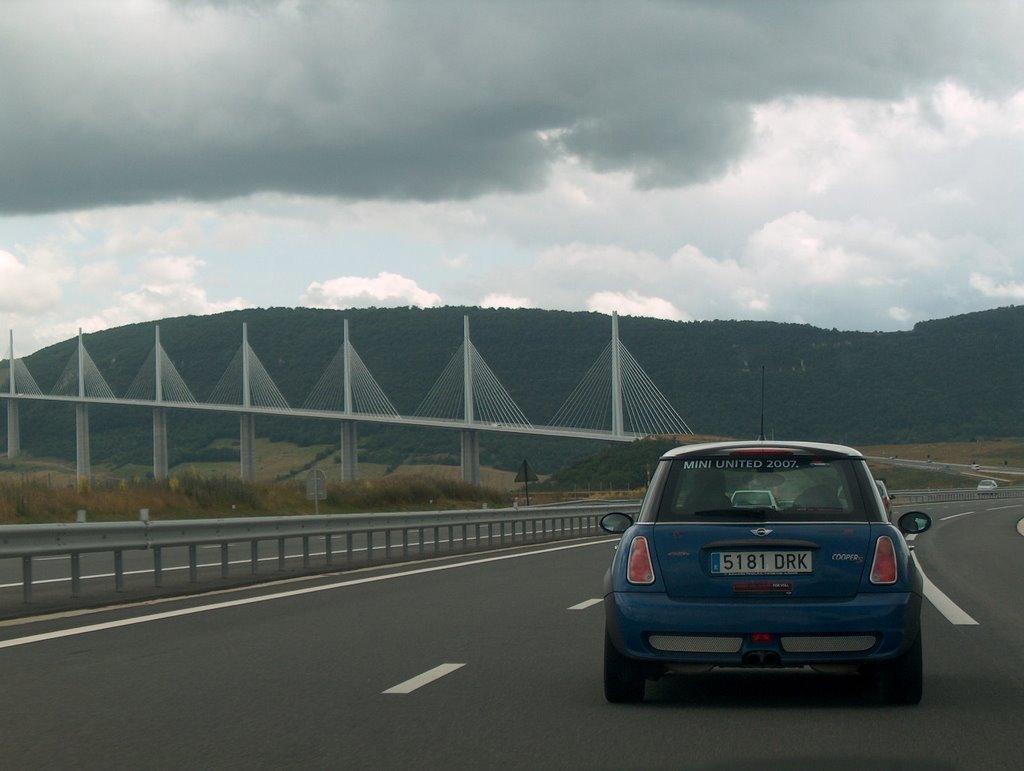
[816,576]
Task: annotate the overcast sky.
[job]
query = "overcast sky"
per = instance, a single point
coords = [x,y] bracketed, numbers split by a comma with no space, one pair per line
[847,164]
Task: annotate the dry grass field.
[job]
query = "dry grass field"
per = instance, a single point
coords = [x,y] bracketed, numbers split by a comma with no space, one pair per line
[46,490]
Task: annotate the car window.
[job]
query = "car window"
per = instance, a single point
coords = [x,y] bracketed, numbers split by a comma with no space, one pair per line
[799,488]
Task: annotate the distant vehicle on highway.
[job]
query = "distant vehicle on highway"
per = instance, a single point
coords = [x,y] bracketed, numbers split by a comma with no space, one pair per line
[975,467]
[824,580]
[987,486]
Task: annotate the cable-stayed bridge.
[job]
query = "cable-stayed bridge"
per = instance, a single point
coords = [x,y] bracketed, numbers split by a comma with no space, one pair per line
[614,401]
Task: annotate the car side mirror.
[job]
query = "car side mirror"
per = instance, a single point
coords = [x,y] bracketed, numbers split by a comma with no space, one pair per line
[616,522]
[914,522]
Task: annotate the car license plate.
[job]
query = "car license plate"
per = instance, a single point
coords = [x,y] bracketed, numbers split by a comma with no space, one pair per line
[748,563]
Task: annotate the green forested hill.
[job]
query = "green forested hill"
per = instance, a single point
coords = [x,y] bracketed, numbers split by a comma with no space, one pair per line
[950,379]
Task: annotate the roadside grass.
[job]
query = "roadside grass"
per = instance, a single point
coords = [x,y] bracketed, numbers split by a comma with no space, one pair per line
[31,500]
[991,454]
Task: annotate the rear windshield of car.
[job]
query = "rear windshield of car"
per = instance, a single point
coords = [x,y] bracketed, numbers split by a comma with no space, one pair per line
[795,487]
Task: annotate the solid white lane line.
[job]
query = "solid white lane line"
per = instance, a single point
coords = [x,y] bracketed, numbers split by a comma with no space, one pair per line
[284,595]
[953,612]
[427,677]
[586,604]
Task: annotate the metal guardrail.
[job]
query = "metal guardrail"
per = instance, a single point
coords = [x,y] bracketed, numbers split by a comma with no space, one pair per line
[901,497]
[385,537]
[392,534]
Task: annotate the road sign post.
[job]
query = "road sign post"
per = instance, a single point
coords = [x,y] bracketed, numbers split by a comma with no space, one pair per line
[316,488]
[526,476]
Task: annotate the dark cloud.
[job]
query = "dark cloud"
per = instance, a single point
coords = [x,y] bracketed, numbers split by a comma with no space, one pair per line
[105,104]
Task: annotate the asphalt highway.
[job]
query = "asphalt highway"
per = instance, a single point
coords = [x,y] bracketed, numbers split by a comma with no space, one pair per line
[494,661]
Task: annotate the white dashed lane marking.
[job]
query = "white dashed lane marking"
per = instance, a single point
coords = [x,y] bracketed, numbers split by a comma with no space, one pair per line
[586,604]
[426,678]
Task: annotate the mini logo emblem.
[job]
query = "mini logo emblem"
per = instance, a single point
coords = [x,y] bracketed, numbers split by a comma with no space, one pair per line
[761,531]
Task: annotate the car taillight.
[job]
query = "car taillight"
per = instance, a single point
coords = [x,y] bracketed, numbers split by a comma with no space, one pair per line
[639,569]
[883,567]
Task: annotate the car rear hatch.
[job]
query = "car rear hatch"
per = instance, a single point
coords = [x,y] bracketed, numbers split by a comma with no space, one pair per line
[750,559]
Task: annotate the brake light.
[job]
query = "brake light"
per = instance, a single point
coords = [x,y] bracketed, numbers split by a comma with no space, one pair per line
[761,451]
[639,569]
[883,567]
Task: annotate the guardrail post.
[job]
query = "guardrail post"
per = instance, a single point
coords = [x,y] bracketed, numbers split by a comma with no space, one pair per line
[280,554]
[254,556]
[118,571]
[76,575]
[224,560]
[158,566]
[26,579]
[387,544]
[348,548]
[305,551]
[422,539]
[193,565]
[328,549]
[437,540]
[369,546]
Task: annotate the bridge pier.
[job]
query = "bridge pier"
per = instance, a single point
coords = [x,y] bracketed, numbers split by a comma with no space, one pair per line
[349,451]
[82,464]
[471,457]
[247,442]
[160,465]
[13,430]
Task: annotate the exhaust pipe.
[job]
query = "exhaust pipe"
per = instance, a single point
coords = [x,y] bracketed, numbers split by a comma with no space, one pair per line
[761,659]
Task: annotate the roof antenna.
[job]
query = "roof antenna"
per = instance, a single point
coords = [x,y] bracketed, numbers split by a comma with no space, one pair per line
[761,437]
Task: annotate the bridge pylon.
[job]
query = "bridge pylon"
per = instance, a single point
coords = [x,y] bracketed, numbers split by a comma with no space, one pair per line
[13,426]
[161,469]
[83,465]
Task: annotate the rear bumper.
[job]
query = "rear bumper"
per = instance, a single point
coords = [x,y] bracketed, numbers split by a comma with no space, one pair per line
[650,627]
